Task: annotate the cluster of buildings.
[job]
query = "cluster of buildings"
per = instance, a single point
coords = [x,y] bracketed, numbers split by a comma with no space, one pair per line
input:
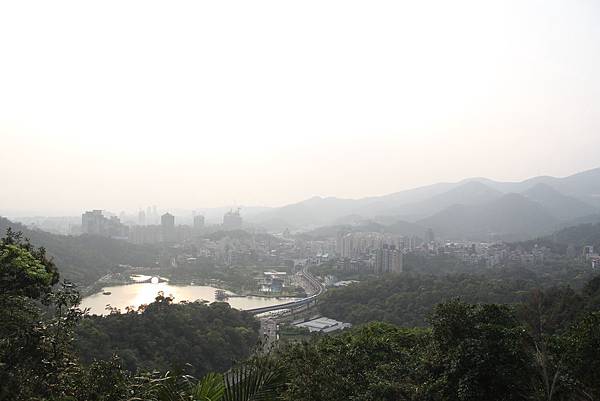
[150,227]
[95,223]
[499,253]
[371,252]
[273,282]
[357,244]
[488,254]
[148,217]
[166,231]
[591,256]
[238,248]
[232,220]
[383,253]
[352,251]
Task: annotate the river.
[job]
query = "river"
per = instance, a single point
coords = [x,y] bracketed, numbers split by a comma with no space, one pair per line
[137,294]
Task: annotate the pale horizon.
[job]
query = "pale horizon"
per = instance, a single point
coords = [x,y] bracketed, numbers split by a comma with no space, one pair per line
[233,206]
[121,105]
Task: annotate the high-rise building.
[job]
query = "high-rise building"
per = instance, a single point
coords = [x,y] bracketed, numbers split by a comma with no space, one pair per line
[94,223]
[347,245]
[429,235]
[167,225]
[232,220]
[339,240]
[388,259]
[198,222]
[167,220]
[142,218]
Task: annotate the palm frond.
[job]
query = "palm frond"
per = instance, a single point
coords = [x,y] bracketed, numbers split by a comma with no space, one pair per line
[210,388]
[256,382]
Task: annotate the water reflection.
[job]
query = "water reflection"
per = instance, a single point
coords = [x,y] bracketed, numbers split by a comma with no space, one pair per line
[137,294]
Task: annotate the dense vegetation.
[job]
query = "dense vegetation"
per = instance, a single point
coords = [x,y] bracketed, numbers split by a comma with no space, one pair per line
[84,259]
[38,359]
[406,298]
[546,347]
[198,337]
[567,240]
[579,236]
[469,353]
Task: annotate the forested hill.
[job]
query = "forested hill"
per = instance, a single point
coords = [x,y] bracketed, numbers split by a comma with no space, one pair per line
[84,259]
[193,336]
[574,236]
[406,299]
[579,236]
[548,344]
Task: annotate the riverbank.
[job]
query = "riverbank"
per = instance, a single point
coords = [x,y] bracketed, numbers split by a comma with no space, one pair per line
[131,296]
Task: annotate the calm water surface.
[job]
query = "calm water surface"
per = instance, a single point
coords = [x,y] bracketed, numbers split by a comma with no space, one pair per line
[137,294]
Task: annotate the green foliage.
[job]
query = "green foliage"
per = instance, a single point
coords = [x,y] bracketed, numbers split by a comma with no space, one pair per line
[84,259]
[406,299]
[471,352]
[101,381]
[437,264]
[546,348]
[154,386]
[36,359]
[374,362]
[477,352]
[580,235]
[196,336]
[260,380]
[24,270]
[25,263]
[210,388]
[576,237]
[582,354]
[551,311]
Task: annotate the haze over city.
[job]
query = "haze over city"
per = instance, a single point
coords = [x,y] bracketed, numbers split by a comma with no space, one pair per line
[308,200]
[117,105]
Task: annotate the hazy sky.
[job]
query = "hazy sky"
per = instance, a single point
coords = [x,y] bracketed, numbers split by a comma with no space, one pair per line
[120,104]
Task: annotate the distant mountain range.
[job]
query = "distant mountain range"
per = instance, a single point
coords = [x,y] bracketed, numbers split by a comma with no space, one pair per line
[473,208]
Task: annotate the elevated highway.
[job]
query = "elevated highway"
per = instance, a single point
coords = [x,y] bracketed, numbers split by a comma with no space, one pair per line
[317,289]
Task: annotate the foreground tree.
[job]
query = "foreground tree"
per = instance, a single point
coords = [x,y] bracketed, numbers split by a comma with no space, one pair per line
[259,379]
[38,321]
[37,361]
[28,347]
[582,356]
[374,362]
[477,353]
